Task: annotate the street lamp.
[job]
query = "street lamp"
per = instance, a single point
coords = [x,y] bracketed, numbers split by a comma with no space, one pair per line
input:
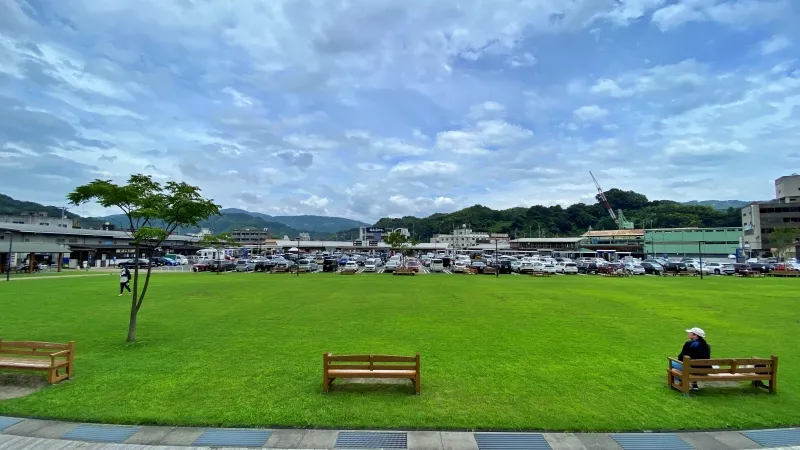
[700,252]
[8,261]
[297,267]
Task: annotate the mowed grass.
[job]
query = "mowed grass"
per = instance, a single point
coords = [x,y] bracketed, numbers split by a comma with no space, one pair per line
[561,353]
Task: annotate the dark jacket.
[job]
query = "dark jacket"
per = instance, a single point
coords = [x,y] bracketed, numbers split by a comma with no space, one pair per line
[697,349]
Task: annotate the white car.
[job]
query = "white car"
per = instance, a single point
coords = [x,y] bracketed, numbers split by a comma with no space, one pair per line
[391,265]
[571,268]
[515,266]
[695,267]
[459,266]
[549,268]
[370,266]
[351,265]
[635,269]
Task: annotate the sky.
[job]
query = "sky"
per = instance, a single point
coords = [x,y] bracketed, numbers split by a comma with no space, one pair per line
[374,108]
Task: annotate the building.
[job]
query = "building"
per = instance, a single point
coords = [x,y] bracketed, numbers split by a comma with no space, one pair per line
[711,242]
[276,245]
[304,236]
[556,247]
[615,244]
[102,247]
[761,219]
[378,234]
[250,236]
[38,219]
[464,238]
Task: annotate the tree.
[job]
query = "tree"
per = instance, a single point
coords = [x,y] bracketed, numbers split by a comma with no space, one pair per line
[398,240]
[153,211]
[219,242]
[782,238]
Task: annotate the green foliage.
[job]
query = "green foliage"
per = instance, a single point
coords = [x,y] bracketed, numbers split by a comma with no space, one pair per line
[510,353]
[153,211]
[571,221]
[218,241]
[782,238]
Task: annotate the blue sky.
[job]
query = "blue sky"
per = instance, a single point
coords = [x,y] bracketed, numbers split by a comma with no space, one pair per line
[373,108]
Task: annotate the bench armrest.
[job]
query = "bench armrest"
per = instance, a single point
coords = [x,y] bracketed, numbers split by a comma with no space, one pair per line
[61,353]
[671,359]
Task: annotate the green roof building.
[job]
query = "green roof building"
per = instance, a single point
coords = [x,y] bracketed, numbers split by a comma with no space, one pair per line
[712,242]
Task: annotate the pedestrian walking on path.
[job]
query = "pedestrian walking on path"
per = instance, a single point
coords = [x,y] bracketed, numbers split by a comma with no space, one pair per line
[124,281]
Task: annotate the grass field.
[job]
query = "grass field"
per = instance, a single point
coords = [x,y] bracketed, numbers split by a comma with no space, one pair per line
[560,353]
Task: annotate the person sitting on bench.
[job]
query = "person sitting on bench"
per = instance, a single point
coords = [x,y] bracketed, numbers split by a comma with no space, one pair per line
[696,348]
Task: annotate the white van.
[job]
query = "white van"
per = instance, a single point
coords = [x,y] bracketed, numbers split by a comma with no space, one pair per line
[437,265]
[180,259]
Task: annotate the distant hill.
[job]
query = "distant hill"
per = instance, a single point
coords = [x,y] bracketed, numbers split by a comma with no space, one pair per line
[13,207]
[314,224]
[226,222]
[721,205]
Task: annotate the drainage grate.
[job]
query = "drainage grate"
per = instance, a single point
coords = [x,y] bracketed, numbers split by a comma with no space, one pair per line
[233,438]
[650,441]
[511,441]
[355,439]
[101,433]
[6,422]
[775,438]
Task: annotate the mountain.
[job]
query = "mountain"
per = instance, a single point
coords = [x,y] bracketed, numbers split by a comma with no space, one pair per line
[314,224]
[15,207]
[719,204]
[223,223]
[556,221]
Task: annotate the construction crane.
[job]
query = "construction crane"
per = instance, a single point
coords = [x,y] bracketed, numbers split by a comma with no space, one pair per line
[619,218]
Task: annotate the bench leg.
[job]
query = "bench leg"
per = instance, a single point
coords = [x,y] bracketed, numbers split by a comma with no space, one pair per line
[416,385]
[52,376]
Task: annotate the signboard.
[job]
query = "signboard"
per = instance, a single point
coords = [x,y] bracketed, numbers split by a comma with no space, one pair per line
[356,243]
[376,235]
[375,230]
[373,243]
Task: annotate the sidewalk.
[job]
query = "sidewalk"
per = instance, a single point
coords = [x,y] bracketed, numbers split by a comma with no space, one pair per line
[34,434]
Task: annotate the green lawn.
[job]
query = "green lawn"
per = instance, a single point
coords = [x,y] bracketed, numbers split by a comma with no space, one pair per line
[561,353]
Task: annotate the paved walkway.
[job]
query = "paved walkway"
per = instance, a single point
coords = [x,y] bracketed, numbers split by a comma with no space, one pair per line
[35,434]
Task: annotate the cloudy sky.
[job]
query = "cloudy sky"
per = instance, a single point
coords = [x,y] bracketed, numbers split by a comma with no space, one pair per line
[371,108]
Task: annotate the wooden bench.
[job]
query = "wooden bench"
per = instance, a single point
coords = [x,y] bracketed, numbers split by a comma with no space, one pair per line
[489,271]
[369,366]
[710,370]
[404,271]
[617,274]
[784,273]
[54,358]
[277,269]
[540,274]
[348,271]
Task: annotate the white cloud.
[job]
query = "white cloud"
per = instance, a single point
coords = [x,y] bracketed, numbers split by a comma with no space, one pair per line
[736,14]
[590,113]
[239,99]
[316,202]
[698,146]
[424,168]
[775,44]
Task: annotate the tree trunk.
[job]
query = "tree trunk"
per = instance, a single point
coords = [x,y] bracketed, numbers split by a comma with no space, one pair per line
[132,322]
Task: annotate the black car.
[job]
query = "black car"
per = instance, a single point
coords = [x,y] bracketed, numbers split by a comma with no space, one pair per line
[505,266]
[652,268]
[759,267]
[676,267]
[329,265]
[158,261]
[142,263]
[222,265]
[588,268]
[743,269]
[264,265]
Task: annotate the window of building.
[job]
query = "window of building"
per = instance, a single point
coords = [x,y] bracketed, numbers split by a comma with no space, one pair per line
[44,224]
[18,222]
[73,241]
[60,241]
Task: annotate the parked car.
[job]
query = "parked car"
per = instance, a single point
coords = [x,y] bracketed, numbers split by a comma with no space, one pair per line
[569,268]
[742,269]
[180,259]
[719,268]
[478,265]
[459,266]
[329,265]
[505,266]
[412,264]
[635,269]
[245,266]
[695,267]
[351,265]
[142,263]
[652,268]
[675,267]
[761,267]
[613,267]
[391,265]
[549,268]
[222,265]
[588,268]
[370,266]
[201,266]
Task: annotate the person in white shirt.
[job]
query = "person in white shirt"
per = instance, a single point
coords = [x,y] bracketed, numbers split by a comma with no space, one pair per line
[124,281]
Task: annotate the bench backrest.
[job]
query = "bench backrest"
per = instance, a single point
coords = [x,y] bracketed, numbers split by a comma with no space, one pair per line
[370,362]
[761,366]
[33,349]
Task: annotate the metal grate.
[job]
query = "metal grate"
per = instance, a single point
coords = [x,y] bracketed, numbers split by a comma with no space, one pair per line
[511,441]
[775,438]
[355,439]
[101,433]
[233,438]
[650,441]
[6,422]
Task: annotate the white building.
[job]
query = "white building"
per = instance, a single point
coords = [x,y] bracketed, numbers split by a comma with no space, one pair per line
[464,237]
[305,236]
[40,219]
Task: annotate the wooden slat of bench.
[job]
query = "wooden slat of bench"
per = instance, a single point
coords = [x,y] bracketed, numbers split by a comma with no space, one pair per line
[730,361]
[372,373]
[731,377]
[356,358]
[739,369]
[33,344]
[366,366]
[393,358]
[45,352]
[19,363]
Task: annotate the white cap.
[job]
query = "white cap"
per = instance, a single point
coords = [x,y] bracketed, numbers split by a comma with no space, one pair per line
[697,331]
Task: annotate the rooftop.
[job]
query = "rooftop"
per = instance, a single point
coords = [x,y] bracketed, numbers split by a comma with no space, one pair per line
[549,240]
[606,233]
[38,229]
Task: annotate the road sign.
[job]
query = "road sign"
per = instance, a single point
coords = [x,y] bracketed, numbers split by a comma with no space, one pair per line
[375,230]
[356,243]
[373,243]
